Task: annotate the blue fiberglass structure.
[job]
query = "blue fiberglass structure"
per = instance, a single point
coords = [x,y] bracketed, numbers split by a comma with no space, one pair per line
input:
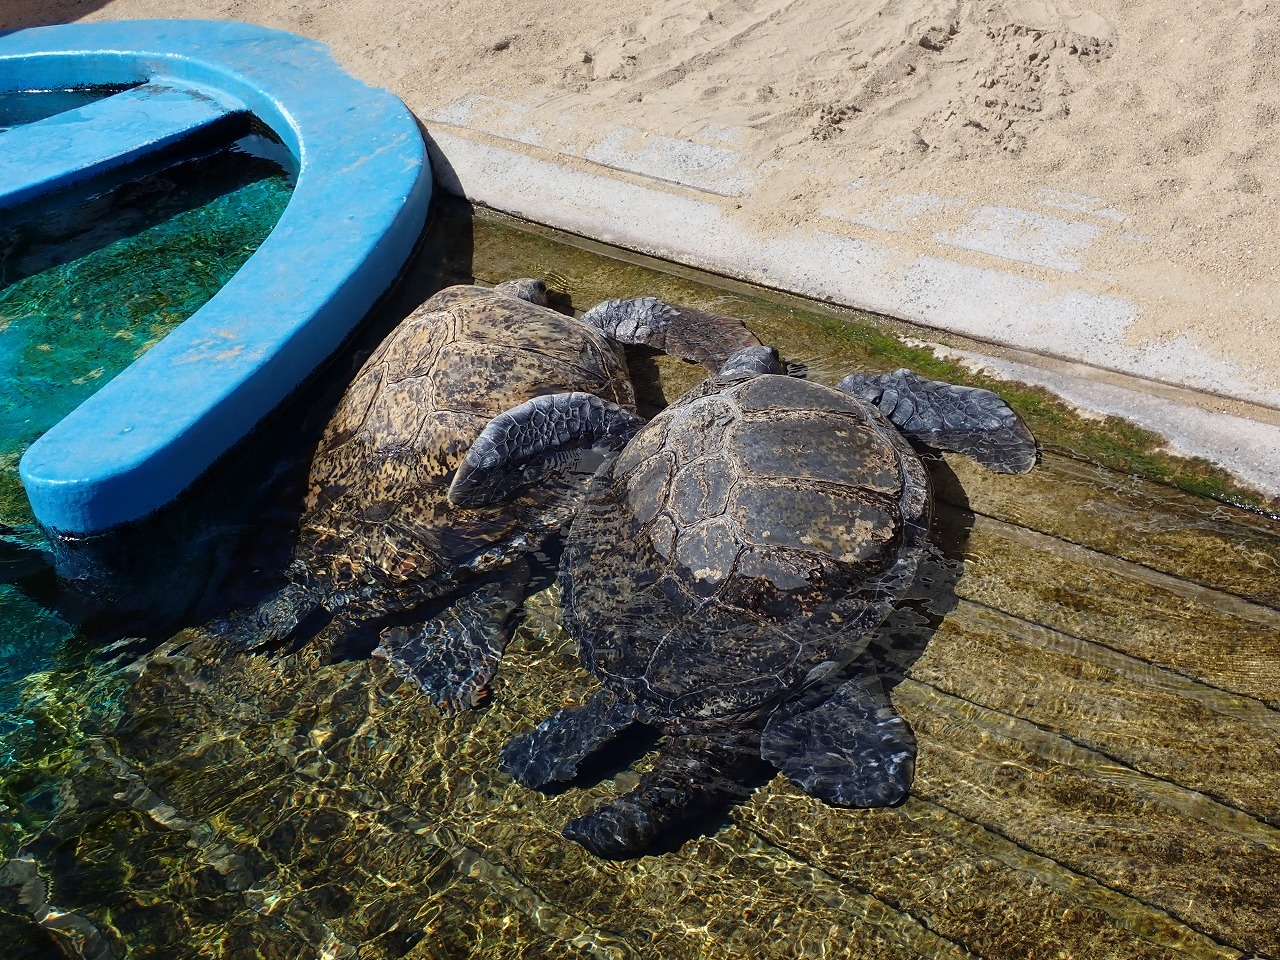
[359,205]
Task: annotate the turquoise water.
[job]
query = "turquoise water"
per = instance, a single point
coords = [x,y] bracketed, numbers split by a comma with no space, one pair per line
[27,106]
[85,289]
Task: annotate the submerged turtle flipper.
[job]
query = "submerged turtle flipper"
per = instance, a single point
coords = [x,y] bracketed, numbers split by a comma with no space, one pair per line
[692,774]
[552,751]
[452,657]
[270,622]
[684,332]
[526,442]
[850,749]
[966,420]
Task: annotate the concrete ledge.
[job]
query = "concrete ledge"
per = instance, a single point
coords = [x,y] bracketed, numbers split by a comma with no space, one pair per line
[1043,305]
[363,189]
[1243,446]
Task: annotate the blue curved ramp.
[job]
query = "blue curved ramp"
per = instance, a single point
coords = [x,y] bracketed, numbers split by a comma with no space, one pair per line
[359,206]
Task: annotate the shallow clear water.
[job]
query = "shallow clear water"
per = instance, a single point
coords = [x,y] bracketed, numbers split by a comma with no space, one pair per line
[1089,662]
[26,106]
[87,288]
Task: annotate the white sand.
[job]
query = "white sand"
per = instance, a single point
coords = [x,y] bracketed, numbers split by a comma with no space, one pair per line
[1168,112]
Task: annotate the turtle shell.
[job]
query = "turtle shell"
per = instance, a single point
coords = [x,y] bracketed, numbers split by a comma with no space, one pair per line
[377,524]
[742,546]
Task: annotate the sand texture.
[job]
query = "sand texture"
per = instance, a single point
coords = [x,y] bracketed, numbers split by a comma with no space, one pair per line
[1150,127]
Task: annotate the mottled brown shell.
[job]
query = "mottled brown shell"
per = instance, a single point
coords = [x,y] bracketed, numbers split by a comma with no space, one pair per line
[768,524]
[377,514]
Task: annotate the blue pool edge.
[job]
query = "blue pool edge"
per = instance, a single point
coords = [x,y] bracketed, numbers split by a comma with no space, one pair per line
[359,206]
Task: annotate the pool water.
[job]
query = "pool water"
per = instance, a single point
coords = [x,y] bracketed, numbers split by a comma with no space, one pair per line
[27,106]
[87,288]
[1089,660]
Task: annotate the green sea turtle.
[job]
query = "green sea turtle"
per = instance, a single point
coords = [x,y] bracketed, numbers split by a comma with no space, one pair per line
[723,572]
[379,547]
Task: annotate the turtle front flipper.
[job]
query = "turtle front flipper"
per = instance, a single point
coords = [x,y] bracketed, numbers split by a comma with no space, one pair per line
[269,623]
[552,751]
[692,774]
[527,442]
[684,332]
[966,420]
[453,657]
[850,749]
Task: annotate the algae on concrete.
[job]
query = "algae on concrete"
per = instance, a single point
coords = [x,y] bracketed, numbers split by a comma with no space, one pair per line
[834,340]
[1088,660]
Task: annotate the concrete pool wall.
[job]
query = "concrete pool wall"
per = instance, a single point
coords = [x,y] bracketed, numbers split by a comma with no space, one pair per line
[359,205]
[1060,328]
[1013,292]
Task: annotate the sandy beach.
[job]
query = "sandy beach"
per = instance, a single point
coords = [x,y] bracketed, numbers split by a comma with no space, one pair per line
[1130,147]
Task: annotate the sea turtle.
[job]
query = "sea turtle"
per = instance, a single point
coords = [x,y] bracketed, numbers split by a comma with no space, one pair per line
[723,572]
[380,549]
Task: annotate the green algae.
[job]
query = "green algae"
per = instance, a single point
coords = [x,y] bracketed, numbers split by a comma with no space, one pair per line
[278,806]
[836,341]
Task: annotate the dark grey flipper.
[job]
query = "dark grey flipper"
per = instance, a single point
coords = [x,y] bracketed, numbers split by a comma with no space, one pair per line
[684,332]
[966,420]
[524,443]
[270,622]
[552,751]
[321,650]
[692,774]
[453,657]
[850,749]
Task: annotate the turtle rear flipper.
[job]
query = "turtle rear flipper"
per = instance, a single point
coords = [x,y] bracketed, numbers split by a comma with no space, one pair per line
[552,751]
[453,657]
[684,332]
[966,420]
[851,749]
[692,774]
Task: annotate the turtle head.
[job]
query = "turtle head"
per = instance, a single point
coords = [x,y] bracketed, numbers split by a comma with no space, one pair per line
[751,361]
[526,288]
